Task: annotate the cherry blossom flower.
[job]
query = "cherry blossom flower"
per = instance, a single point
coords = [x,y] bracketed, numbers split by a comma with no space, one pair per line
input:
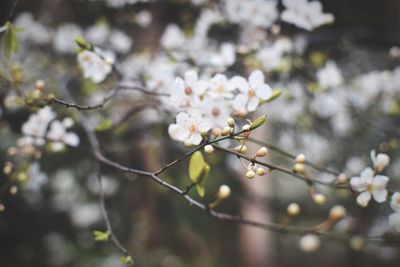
[216,111]
[186,92]
[173,37]
[304,14]
[369,185]
[380,161]
[188,128]
[220,87]
[57,132]
[252,92]
[94,66]
[35,128]
[330,75]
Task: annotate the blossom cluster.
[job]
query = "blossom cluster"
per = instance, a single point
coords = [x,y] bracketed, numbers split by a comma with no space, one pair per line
[44,125]
[207,104]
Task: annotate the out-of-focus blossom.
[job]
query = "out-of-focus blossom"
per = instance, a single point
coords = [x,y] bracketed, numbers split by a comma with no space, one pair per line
[143,18]
[94,66]
[120,42]
[271,56]
[60,137]
[370,186]
[98,33]
[36,126]
[173,37]
[64,38]
[36,178]
[330,75]
[395,202]
[394,221]
[305,14]
[32,30]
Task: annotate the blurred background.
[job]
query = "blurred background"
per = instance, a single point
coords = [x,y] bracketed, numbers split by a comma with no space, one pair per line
[51,223]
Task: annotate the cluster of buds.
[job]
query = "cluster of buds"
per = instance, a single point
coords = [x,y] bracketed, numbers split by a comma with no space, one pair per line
[253,170]
[298,166]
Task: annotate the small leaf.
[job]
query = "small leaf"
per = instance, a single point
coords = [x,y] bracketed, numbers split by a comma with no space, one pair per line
[104,125]
[126,260]
[200,190]
[10,41]
[275,94]
[101,236]
[258,122]
[82,43]
[196,166]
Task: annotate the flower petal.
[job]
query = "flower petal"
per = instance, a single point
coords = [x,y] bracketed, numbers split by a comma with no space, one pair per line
[256,78]
[364,198]
[239,83]
[380,195]
[264,91]
[358,184]
[253,103]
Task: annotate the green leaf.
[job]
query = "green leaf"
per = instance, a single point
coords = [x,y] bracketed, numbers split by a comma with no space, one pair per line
[104,125]
[200,190]
[275,94]
[258,122]
[126,260]
[196,166]
[82,43]
[101,236]
[10,41]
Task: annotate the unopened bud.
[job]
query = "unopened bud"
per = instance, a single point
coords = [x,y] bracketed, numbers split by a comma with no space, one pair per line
[262,152]
[301,158]
[224,192]
[36,94]
[319,199]
[261,171]
[8,166]
[209,149]
[309,243]
[337,213]
[2,207]
[246,127]
[342,178]
[293,209]
[250,174]
[226,131]
[357,243]
[22,176]
[299,168]
[216,131]
[13,190]
[231,122]
[204,133]
[39,85]
[240,149]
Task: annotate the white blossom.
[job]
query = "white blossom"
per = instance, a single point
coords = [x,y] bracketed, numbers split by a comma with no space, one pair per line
[305,14]
[173,37]
[395,202]
[93,66]
[394,221]
[64,39]
[57,132]
[188,128]
[35,128]
[330,75]
[143,18]
[380,161]
[369,186]
[251,92]
[120,42]
[220,87]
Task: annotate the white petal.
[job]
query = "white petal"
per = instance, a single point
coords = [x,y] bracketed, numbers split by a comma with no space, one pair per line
[395,202]
[177,133]
[182,118]
[253,103]
[394,221]
[358,184]
[380,195]
[256,78]
[195,139]
[364,198]
[264,91]
[239,83]
[380,181]
[191,76]
[239,103]
[367,174]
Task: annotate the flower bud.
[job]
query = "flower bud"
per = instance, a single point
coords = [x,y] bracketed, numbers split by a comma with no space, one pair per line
[262,152]
[309,243]
[301,158]
[12,151]
[216,131]
[246,127]
[261,171]
[342,178]
[231,122]
[204,133]
[299,168]
[13,190]
[209,149]
[39,85]
[382,160]
[293,209]
[337,213]
[319,199]
[226,131]
[22,176]
[240,149]
[8,166]
[357,243]
[2,207]
[250,174]
[223,192]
